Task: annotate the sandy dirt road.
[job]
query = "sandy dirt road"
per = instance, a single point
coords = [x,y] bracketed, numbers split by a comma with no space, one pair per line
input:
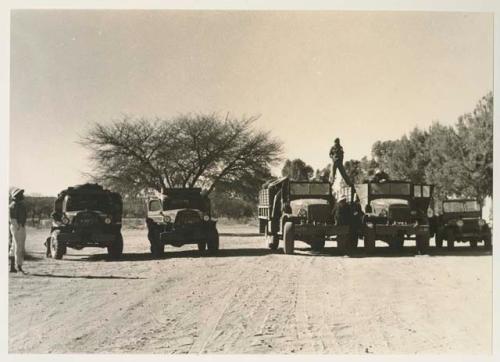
[250,300]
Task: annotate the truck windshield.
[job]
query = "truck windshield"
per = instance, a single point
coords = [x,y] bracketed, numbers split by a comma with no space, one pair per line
[461,206]
[184,203]
[390,189]
[94,202]
[319,189]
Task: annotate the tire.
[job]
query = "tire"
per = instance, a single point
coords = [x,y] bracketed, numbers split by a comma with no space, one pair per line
[157,248]
[57,248]
[318,245]
[272,241]
[213,242]
[289,238]
[343,243]
[439,240]
[353,242]
[473,244]
[47,248]
[423,243]
[487,242]
[115,250]
[202,246]
[450,239]
[398,242]
[369,240]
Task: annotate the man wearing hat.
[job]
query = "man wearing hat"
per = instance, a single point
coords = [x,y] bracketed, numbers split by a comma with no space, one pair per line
[18,216]
[337,156]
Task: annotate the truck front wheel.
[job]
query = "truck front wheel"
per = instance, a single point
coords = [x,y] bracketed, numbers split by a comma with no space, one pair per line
[56,246]
[115,250]
[213,242]
[487,242]
[318,244]
[369,241]
[423,243]
[289,237]
[450,239]
[157,248]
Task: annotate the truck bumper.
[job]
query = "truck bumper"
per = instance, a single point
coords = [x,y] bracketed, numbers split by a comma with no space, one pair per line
[393,230]
[82,239]
[473,236]
[185,236]
[308,231]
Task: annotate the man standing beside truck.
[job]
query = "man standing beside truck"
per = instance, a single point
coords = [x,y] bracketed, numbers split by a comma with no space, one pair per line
[17,216]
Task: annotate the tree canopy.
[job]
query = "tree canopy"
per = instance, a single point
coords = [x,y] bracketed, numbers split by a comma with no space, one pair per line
[297,170]
[134,154]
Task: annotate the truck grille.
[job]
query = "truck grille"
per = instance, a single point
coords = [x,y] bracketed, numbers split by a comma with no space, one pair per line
[86,219]
[399,213]
[188,217]
[319,213]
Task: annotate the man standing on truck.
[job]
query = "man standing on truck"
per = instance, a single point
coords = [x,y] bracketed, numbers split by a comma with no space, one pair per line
[337,156]
[18,216]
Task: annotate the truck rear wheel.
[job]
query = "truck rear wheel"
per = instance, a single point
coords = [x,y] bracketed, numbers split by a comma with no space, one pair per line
[272,241]
[369,241]
[202,246]
[397,242]
[56,247]
[115,250]
[473,244]
[289,238]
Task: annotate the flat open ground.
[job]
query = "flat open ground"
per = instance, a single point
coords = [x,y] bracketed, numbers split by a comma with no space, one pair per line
[250,300]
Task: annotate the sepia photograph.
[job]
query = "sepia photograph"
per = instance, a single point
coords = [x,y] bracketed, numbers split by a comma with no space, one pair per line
[250,181]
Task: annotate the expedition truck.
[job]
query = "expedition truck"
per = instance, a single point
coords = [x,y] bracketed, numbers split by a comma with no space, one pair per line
[395,211]
[180,216]
[86,216]
[299,210]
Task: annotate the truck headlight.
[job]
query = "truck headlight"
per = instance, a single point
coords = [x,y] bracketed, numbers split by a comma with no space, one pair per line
[167,218]
[460,223]
[206,217]
[65,220]
[430,213]
[107,220]
[481,222]
[370,225]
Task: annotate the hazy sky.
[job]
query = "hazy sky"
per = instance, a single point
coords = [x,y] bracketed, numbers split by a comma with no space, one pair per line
[312,76]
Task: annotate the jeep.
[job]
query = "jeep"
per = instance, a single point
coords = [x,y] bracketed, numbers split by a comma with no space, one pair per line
[180,216]
[461,221]
[86,216]
[302,210]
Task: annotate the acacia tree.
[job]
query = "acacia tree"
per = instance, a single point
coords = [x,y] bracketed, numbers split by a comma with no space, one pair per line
[187,151]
